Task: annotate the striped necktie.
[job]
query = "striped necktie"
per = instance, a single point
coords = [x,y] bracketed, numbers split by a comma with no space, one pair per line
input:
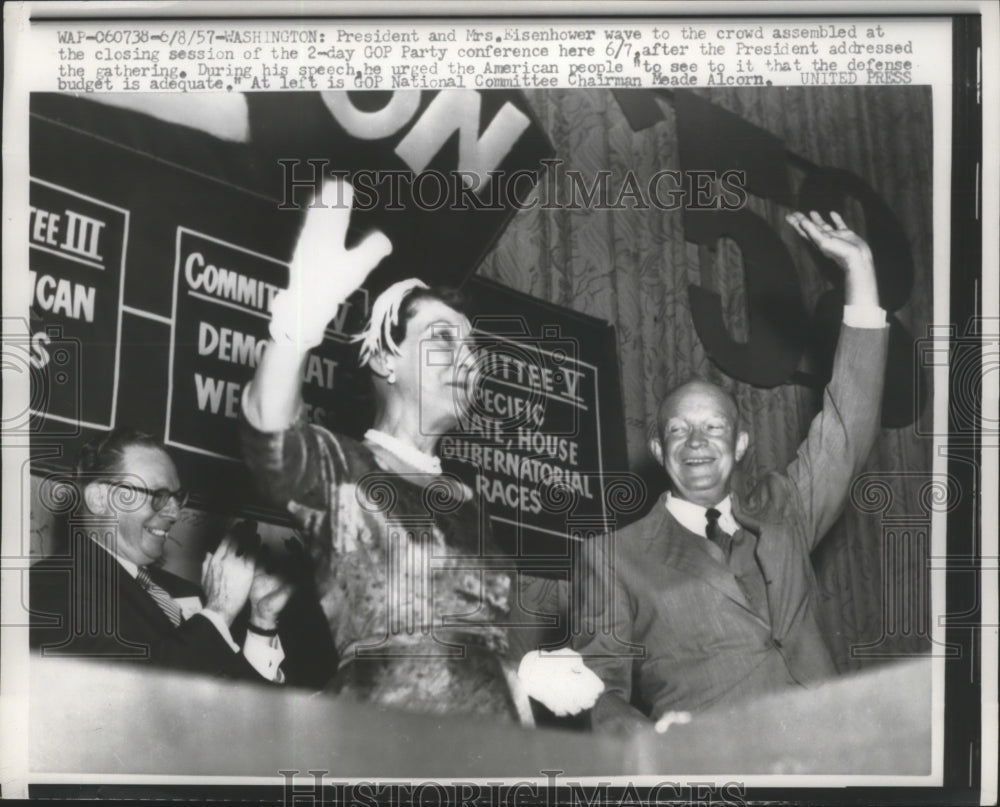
[160,595]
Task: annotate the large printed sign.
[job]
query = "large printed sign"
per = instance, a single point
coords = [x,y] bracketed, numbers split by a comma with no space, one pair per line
[430,168]
[440,173]
[546,423]
[76,271]
[221,311]
[214,219]
[533,439]
[783,334]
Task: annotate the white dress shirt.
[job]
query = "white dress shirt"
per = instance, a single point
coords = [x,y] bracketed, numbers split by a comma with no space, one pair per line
[692,516]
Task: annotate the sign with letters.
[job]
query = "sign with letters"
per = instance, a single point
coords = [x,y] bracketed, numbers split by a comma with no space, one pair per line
[221,311]
[77,247]
[546,425]
[214,221]
[429,168]
[442,169]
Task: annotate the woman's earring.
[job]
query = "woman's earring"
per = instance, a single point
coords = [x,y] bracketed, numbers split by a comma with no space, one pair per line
[391,378]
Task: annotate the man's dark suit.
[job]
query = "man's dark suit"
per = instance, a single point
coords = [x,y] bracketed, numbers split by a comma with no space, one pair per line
[86,604]
[680,621]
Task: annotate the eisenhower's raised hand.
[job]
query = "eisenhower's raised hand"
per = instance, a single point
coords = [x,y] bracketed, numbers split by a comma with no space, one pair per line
[846,248]
[323,272]
[837,242]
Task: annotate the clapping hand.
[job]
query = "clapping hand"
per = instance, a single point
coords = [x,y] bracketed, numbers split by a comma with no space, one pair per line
[272,586]
[226,577]
[323,272]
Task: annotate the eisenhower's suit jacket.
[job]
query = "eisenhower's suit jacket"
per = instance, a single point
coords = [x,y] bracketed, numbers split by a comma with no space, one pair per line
[679,620]
[86,605]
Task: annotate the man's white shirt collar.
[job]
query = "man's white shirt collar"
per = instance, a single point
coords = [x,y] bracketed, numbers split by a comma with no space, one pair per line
[189,605]
[692,516]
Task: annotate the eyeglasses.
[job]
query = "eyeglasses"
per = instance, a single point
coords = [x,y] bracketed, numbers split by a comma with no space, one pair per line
[160,496]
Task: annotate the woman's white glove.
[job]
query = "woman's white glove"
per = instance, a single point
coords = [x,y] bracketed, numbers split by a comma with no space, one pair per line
[559,680]
[322,273]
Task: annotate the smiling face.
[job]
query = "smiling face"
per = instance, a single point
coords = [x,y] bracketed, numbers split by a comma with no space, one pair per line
[699,443]
[141,530]
[434,367]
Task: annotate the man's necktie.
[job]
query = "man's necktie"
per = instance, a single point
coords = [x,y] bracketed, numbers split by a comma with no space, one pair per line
[746,571]
[160,595]
[716,534]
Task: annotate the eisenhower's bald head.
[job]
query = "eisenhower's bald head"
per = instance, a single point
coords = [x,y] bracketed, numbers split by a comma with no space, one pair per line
[696,387]
[698,441]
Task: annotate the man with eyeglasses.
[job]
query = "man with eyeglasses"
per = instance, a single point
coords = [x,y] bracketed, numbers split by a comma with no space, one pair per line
[109,597]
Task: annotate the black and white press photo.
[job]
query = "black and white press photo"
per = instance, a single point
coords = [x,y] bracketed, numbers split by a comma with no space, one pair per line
[585,408]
